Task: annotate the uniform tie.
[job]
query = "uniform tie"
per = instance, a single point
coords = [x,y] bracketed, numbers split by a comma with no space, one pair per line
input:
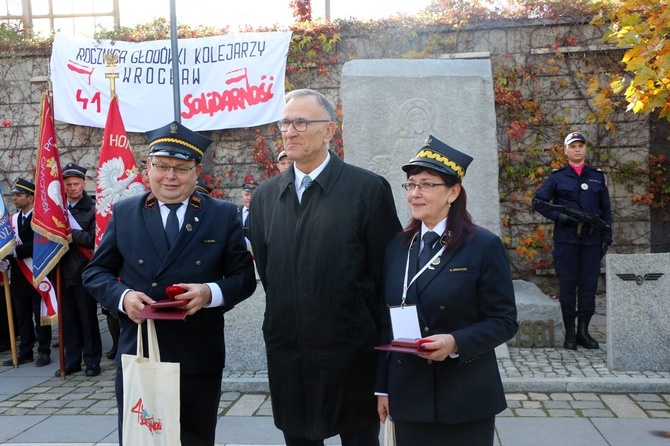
[245,217]
[429,240]
[172,224]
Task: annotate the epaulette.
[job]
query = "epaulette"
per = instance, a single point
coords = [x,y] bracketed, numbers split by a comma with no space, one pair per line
[150,201]
[195,202]
[558,170]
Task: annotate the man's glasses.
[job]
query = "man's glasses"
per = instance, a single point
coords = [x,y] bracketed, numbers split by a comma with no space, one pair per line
[178,170]
[428,186]
[300,125]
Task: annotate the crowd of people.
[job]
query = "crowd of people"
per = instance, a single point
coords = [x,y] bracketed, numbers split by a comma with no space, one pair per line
[341,277]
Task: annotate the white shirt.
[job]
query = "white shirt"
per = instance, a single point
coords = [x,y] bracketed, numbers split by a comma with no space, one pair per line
[217,294]
[299,175]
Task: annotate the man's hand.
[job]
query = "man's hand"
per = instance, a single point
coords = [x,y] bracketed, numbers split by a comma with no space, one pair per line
[199,295]
[134,302]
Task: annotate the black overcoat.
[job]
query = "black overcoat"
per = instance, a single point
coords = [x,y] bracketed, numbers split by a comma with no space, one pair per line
[321,266]
[470,295]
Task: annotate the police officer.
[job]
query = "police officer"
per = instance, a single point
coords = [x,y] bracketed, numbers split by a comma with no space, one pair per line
[578,247]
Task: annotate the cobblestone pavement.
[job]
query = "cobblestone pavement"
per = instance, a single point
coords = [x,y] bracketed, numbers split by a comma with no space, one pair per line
[525,368]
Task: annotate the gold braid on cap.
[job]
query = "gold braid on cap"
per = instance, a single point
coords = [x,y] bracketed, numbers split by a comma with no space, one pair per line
[177,141]
[25,188]
[427,153]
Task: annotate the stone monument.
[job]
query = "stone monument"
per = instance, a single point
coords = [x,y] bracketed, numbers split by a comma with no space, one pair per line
[391,106]
[638,312]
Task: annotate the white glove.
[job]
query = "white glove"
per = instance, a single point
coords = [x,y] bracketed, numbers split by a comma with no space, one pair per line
[4,265]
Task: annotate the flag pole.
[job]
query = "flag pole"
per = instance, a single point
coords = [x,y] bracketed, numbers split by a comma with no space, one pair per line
[176,76]
[10,317]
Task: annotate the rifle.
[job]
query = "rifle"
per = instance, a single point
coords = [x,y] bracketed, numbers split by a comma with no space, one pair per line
[580,217]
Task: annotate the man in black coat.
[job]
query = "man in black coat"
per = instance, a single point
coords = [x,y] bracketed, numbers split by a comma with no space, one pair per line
[318,231]
[206,256]
[81,331]
[26,301]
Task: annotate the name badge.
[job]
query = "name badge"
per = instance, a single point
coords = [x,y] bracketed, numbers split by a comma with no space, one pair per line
[405,322]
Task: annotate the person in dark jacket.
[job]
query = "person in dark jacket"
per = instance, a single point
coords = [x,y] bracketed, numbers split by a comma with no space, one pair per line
[454,279]
[578,247]
[81,330]
[318,232]
[248,189]
[183,238]
[26,301]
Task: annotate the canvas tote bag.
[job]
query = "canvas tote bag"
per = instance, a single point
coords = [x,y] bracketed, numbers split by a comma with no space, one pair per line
[389,432]
[150,396]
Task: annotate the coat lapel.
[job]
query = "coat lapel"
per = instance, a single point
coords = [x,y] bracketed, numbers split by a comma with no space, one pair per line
[154,225]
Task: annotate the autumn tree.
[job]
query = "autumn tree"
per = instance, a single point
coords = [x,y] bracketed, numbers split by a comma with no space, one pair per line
[641,27]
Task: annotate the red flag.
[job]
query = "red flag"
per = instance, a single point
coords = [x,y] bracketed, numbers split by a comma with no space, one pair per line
[50,221]
[118,175]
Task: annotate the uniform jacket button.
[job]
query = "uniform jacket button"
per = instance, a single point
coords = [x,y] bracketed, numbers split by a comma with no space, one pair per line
[426,330]
[154,285]
[198,263]
[140,261]
[442,308]
[399,361]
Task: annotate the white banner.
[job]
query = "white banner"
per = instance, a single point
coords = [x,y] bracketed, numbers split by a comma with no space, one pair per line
[229,81]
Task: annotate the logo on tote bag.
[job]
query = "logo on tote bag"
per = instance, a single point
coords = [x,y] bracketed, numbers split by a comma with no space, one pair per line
[144,419]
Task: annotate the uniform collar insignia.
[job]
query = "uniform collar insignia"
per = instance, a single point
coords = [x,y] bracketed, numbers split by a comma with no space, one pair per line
[415,239]
[150,201]
[195,202]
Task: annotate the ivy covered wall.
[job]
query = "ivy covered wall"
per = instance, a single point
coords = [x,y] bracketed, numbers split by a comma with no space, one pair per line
[543,73]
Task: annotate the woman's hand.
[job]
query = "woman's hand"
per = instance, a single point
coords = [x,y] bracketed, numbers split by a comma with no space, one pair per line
[440,347]
[383,407]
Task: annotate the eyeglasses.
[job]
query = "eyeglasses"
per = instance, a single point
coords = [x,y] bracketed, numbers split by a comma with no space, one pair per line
[178,170]
[300,125]
[428,186]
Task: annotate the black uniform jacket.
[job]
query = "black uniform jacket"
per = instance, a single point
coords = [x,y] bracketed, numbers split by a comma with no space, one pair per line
[133,254]
[20,286]
[470,295]
[74,260]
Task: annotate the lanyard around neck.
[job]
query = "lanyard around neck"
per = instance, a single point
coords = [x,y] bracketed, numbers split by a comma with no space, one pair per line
[425,267]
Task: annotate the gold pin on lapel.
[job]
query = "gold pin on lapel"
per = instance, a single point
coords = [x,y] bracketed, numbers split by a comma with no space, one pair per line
[196,219]
[189,228]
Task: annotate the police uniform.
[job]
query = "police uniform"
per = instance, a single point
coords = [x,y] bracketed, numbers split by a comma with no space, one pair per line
[577,248]
[209,248]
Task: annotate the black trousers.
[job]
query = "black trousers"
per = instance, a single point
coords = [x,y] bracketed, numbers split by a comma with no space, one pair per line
[81,330]
[199,397]
[366,437]
[26,308]
[474,433]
